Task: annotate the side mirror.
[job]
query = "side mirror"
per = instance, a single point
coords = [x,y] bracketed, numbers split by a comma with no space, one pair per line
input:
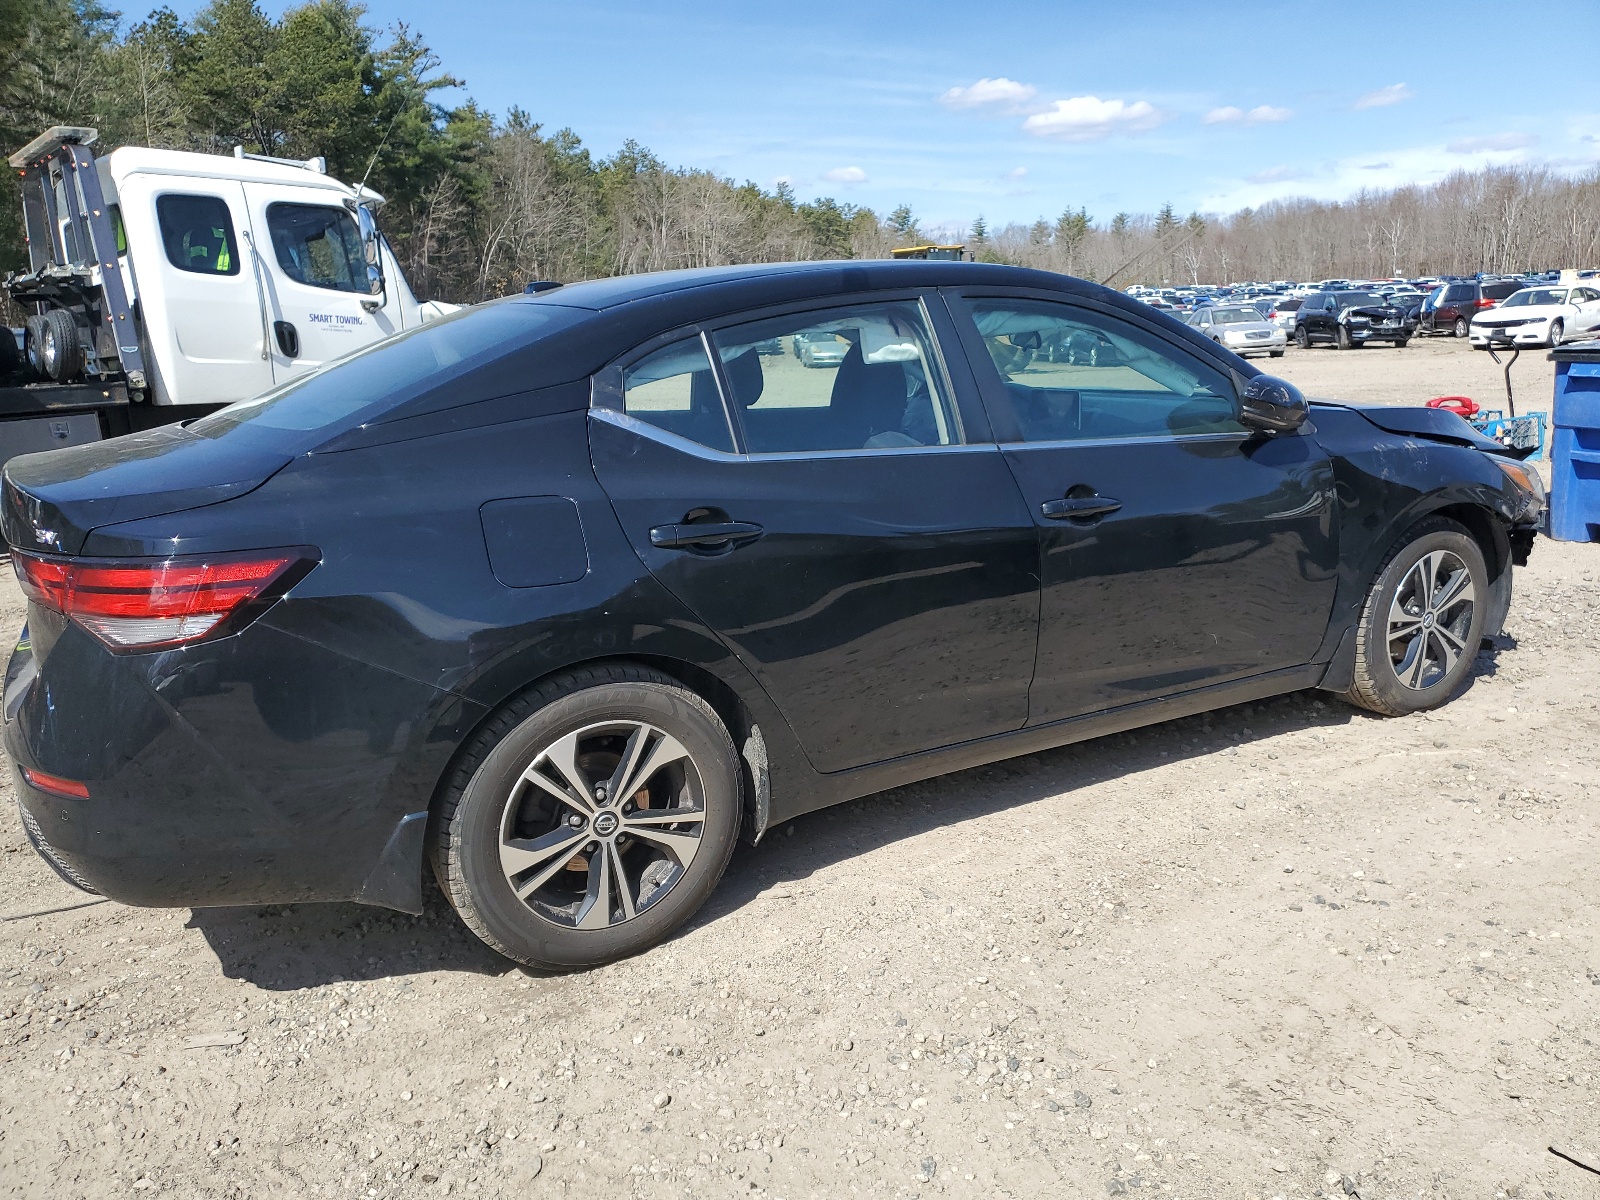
[372,250]
[1027,341]
[1272,405]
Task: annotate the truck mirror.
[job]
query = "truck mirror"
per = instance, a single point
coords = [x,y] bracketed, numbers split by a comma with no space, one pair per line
[371,247]
[369,233]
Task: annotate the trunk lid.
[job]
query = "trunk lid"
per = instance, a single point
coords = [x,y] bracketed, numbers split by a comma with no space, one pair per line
[52,501]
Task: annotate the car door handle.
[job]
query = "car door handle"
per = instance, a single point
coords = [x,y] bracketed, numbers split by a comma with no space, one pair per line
[711,533]
[288,338]
[1078,507]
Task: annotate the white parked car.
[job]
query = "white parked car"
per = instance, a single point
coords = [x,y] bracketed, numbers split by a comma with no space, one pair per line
[1241,329]
[1540,316]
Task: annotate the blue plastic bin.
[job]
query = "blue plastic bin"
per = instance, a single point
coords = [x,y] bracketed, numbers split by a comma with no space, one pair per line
[1575,446]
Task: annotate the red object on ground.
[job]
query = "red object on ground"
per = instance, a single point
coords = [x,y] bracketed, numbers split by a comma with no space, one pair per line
[1462,406]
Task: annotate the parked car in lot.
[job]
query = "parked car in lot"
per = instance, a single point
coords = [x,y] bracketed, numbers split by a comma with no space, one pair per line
[1241,329]
[559,594]
[1449,308]
[1282,313]
[1540,316]
[1349,320]
[819,349]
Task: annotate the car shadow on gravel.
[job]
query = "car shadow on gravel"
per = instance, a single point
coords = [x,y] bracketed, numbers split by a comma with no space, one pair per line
[843,831]
[282,947]
[289,946]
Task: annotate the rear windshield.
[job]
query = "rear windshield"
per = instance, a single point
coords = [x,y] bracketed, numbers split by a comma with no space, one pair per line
[1499,291]
[387,374]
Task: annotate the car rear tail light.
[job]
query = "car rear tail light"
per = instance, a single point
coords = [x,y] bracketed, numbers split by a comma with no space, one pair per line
[143,604]
[1483,302]
[56,785]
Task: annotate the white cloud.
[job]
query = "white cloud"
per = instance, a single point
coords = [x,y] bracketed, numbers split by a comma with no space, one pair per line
[1493,141]
[1279,174]
[1385,96]
[1262,114]
[1089,118]
[845,175]
[1001,93]
[1017,173]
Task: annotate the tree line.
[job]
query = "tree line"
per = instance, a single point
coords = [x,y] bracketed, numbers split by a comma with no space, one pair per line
[479,204]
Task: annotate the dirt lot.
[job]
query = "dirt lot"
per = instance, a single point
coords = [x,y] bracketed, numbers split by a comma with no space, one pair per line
[1285,950]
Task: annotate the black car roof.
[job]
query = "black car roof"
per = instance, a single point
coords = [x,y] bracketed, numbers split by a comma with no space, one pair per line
[790,280]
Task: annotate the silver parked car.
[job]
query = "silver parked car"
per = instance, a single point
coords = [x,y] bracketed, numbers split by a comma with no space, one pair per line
[820,349]
[1241,329]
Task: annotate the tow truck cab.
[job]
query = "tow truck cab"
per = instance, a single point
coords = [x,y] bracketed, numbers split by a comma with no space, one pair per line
[164,284]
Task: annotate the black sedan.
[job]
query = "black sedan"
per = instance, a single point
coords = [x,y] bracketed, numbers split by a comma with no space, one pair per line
[560,594]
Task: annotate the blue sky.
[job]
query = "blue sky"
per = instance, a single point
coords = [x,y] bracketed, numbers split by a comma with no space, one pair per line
[1017,110]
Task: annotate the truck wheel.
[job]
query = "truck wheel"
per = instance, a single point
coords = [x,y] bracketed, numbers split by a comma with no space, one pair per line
[10,352]
[61,349]
[1422,622]
[590,819]
[33,344]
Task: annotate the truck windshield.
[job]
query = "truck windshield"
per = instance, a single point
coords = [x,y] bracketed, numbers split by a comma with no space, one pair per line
[381,377]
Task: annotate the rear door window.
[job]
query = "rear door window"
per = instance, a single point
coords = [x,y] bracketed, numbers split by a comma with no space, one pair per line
[675,390]
[864,377]
[197,232]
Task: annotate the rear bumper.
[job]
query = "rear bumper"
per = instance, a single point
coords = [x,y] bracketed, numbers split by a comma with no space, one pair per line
[209,784]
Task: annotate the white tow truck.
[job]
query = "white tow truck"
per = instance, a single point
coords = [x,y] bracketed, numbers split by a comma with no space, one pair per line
[163,284]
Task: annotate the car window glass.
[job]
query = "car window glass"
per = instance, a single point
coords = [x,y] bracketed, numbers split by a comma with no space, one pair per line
[857,378]
[198,234]
[318,245]
[1074,374]
[675,389]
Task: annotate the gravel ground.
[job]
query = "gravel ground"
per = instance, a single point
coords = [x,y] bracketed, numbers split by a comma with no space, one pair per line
[1284,950]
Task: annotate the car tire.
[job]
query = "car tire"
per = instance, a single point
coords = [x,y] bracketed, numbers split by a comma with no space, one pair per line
[1461,328]
[1341,338]
[1557,331]
[1475,346]
[1302,338]
[510,813]
[1400,343]
[1274,353]
[1403,662]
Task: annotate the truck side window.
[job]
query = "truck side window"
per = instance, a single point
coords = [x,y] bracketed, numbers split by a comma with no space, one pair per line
[198,234]
[319,246]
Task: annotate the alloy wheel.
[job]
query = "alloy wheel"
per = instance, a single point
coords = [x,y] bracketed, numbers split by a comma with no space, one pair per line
[1429,619]
[602,825]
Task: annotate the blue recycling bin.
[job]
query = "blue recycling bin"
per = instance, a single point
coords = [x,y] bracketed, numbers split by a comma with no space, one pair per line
[1575,446]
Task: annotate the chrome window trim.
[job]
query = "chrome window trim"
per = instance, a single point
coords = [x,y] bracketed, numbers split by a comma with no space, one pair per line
[622,420]
[1170,438]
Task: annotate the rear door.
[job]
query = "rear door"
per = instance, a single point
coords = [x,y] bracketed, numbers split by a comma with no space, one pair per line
[199,301]
[1177,549]
[853,533]
[314,271]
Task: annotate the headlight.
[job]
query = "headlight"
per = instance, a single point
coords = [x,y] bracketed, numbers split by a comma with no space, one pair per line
[1526,478]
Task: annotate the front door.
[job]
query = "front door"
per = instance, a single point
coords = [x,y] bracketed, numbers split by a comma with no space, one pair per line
[314,270]
[848,534]
[1176,548]
[199,301]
